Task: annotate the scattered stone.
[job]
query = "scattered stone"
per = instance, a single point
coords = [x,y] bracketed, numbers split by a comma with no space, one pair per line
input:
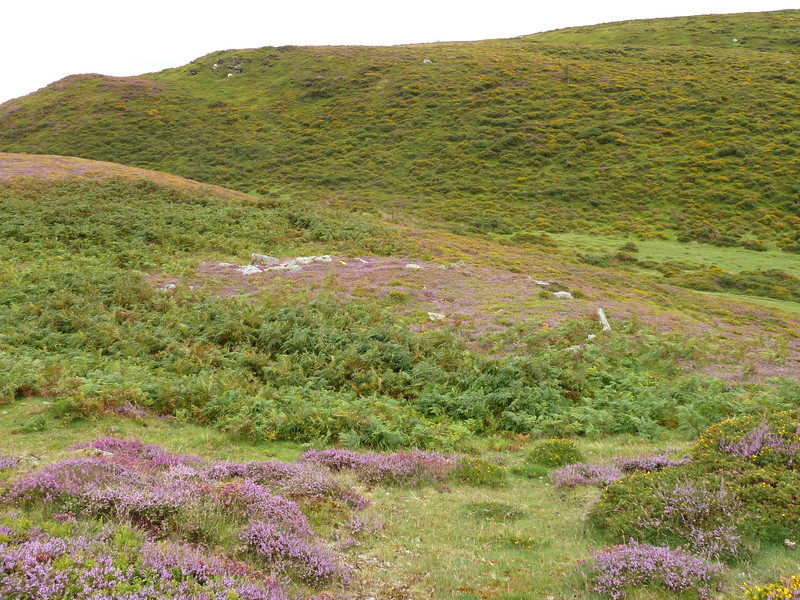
[366,262]
[167,286]
[307,260]
[412,266]
[341,262]
[602,314]
[563,295]
[193,72]
[591,336]
[427,61]
[230,74]
[249,269]
[789,544]
[541,283]
[264,259]
[735,40]
[434,316]
[574,349]
[227,265]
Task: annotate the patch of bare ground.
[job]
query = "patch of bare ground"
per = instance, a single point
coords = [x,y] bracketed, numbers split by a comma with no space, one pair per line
[52,167]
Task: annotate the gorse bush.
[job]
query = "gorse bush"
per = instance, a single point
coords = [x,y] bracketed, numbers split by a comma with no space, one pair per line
[741,488]
[478,471]
[554,453]
[787,589]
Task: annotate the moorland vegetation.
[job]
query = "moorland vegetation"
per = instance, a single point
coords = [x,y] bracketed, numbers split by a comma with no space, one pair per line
[178,421]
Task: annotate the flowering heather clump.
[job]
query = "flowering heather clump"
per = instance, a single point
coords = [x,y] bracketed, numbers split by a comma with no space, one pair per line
[620,567]
[302,479]
[155,491]
[585,474]
[293,480]
[702,515]
[401,468]
[66,478]
[88,569]
[8,462]
[257,501]
[762,439]
[788,589]
[142,456]
[315,563]
[772,440]
[649,463]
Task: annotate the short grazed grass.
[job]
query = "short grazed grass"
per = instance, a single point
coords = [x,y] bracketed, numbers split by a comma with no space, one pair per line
[785,305]
[661,251]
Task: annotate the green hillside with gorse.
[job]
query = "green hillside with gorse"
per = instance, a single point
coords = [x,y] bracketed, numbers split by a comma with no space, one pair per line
[481,320]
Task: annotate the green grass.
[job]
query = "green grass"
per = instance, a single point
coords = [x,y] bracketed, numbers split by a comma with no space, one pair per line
[785,305]
[661,251]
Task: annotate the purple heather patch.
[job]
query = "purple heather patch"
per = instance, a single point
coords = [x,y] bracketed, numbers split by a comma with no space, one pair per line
[585,474]
[401,468]
[8,462]
[156,490]
[633,564]
[49,568]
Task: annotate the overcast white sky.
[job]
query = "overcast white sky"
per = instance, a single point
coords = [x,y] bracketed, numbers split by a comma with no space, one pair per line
[44,40]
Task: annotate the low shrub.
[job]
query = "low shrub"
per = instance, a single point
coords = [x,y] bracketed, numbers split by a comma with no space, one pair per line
[478,471]
[400,468]
[786,589]
[585,474]
[41,566]
[554,453]
[741,488]
[619,568]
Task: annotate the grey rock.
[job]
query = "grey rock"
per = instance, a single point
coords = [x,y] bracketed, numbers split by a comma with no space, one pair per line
[264,259]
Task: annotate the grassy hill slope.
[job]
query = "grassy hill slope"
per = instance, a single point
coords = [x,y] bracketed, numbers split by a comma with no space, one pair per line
[504,138]
[776,31]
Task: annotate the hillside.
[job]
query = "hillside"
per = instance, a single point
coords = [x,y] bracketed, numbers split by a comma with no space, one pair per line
[494,320]
[130,307]
[499,137]
[771,32]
